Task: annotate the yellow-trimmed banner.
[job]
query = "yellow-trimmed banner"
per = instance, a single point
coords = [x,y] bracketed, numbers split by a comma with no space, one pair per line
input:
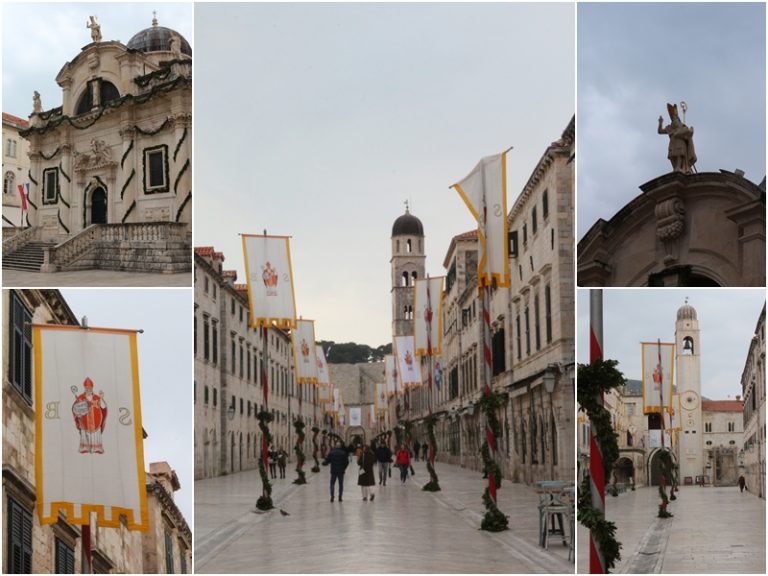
[270,280]
[428,315]
[89,451]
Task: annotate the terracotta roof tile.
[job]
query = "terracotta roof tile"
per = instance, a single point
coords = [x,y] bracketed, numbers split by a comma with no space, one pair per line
[204,251]
[229,273]
[15,120]
[722,405]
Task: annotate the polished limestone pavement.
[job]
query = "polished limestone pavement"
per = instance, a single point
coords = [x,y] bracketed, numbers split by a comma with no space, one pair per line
[713,531]
[94,278]
[404,530]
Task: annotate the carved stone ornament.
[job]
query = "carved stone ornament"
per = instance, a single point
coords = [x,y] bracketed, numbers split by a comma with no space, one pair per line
[99,156]
[670,225]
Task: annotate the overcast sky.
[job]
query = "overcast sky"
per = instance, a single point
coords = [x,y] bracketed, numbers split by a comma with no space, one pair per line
[635,58]
[38,39]
[727,321]
[165,368]
[318,121]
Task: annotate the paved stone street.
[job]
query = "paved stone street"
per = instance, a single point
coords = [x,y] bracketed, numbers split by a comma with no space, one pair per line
[404,530]
[93,278]
[713,531]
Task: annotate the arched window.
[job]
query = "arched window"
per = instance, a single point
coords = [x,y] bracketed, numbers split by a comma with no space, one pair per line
[688,348]
[408,247]
[413,276]
[8,181]
[397,246]
[405,279]
[107,92]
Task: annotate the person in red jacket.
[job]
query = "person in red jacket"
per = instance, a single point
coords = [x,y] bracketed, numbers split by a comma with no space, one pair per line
[403,461]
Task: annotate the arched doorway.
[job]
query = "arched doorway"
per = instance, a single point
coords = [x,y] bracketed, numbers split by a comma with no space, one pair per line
[99,206]
[353,431]
[624,470]
[654,467]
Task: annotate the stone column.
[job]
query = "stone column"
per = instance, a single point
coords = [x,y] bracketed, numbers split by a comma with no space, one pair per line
[750,219]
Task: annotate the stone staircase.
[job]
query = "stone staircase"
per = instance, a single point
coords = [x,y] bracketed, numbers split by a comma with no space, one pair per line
[27,258]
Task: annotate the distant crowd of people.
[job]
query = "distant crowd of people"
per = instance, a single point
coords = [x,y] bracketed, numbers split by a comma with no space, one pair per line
[368,457]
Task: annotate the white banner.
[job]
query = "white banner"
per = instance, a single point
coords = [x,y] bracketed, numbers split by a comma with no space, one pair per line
[408,366]
[674,418]
[323,376]
[655,438]
[428,315]
[381,396]
[487,185]
[658,374]
[355,417]
[89,452]
[270,280]
[324,394]
[372,416]
[304,352]
[336,399]
[391,370]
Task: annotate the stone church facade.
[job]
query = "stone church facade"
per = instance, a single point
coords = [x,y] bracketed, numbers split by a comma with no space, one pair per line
[111,168]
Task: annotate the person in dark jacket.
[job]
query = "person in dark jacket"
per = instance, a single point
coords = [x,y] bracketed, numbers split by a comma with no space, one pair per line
[424,450]
[384,457]
[338,459]
[416,449]
[365,478]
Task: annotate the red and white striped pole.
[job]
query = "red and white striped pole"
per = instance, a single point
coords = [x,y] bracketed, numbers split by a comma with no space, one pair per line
[596,470]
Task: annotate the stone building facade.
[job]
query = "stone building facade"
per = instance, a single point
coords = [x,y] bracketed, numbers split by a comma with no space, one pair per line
[30,547]
[753,387]
[532,325]
[111,168]
[705,229]
[15,168]
[228,359]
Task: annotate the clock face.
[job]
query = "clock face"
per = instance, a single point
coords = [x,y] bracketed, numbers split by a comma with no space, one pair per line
[690,400]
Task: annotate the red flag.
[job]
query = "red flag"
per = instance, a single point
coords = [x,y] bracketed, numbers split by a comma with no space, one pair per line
[23,191]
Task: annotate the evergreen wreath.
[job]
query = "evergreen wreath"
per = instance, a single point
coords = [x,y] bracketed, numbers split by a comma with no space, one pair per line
[667,472]
[315,447]
[298,425]
[594,380]
[265,500]
[433,485]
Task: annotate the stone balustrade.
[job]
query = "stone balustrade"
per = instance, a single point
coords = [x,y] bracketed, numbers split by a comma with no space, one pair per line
[19,238]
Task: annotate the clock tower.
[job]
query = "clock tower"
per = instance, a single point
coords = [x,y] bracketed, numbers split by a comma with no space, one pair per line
[688,362]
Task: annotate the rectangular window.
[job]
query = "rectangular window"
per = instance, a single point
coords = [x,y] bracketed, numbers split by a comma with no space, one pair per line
[156,169]
[536,323]
[215,342]
[534,220]
[10,148]
[20,369]
[519,337]
[50,185]
[182,561]
[241,359]
[232,355]
[65,558]
[215,396]
[168,554]
[527,332]
[206,339]
[512,244]
[525,234]
[545,204]
[19,539]
[249,366]
[548,312]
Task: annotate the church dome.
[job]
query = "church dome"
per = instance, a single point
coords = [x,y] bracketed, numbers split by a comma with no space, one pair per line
[686,312]
[157,39]
[407,225]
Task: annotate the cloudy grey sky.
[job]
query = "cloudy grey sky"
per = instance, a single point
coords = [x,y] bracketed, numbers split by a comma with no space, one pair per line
[165,368]
[38,39]
[318,121]
[632,60]
[727,321]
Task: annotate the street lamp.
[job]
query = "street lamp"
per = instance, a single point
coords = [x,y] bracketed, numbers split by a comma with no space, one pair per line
[551,374]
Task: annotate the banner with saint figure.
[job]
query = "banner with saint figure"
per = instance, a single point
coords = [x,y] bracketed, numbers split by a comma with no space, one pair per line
[89,451]
[658,373]
[428,315]
[408,366]
[304,352]
[270,280]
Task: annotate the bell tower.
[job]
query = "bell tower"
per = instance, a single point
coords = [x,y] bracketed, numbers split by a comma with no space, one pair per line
[688,364]
[407,265]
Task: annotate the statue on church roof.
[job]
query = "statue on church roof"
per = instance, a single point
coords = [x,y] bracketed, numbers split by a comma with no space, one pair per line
[95,29]
[37,105]
[681,152]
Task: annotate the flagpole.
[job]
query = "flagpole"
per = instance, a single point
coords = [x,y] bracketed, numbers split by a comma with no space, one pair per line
[596,470]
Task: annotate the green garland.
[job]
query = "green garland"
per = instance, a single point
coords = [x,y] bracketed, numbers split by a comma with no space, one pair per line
[399,435]
[130,209]
[298,425]
[494,520]
[433,485]
[178,145]
[61,223]
[315,448]
[111,104]
[594,380]
[61,167]
[265,500]
[667,472]
[183,204]
[125,154]
[179,175]
[152,132]
[53,154]
[127,182]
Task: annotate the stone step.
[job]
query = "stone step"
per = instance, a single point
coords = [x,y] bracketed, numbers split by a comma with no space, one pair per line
[29,257]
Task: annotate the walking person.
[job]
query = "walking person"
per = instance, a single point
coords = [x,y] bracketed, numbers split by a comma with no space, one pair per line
[338,459]
[282,461]
[384,457]
[416,448]
[742,483]
[424,448]
[365,478]
[272,463]
[403,461]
